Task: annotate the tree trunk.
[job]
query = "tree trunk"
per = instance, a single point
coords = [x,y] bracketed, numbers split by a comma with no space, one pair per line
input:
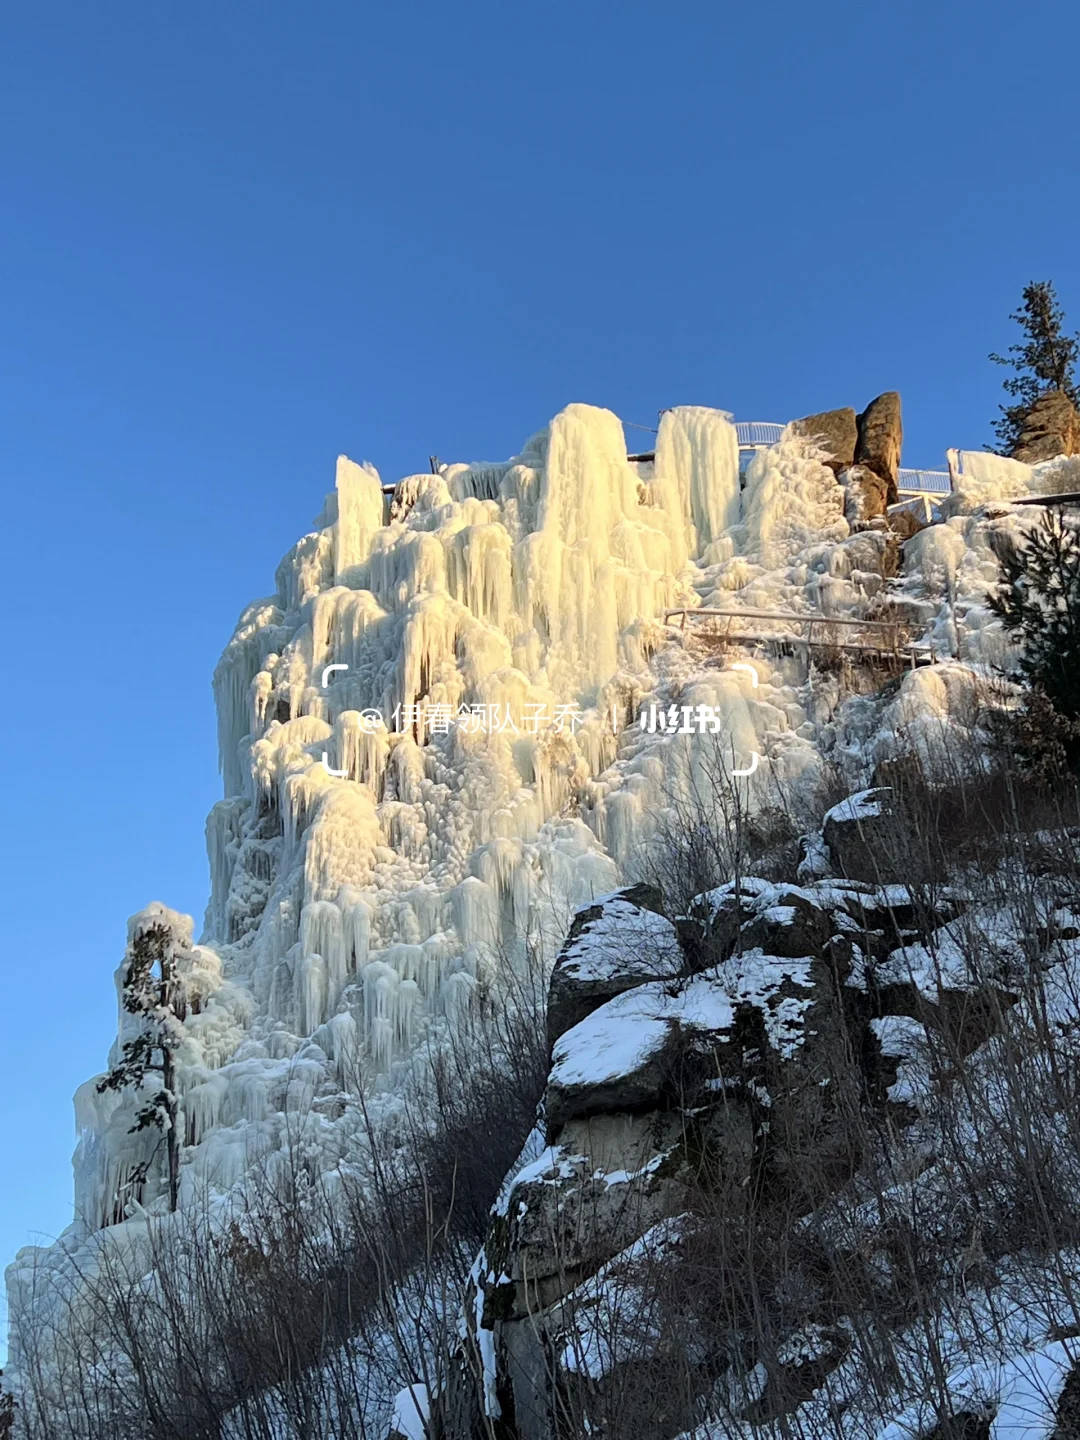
[168,1078]
[172,1136]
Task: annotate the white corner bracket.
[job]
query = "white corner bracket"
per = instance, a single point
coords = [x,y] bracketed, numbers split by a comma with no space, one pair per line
[753,766]
[338,774]
[329,671]
[739,665]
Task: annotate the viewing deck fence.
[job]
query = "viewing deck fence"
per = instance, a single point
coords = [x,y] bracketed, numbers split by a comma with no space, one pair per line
[883,638]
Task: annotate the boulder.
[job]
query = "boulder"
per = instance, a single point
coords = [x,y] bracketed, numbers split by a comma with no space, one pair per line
[618,942]
[793,924]
[580,1203]
[834,431]
[859,832]
[881,436]
[1051,428]
[866,498]
[623,1055]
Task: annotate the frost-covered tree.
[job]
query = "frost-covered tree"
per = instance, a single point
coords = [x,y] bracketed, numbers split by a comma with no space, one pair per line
[1038,601]
[1043,361]
[153,991]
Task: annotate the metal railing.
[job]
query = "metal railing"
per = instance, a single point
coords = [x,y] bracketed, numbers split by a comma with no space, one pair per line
[752,433]
[924,482]
[880,637]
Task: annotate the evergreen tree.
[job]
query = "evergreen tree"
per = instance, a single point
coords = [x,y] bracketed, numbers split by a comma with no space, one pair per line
[152,990]
[1043,361]
[1038,601]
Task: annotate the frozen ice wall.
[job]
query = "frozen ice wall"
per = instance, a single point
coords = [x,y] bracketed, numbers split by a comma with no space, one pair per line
[402,830]
[396,830]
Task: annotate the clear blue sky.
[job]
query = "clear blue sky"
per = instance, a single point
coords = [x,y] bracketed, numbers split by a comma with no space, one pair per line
[238,238]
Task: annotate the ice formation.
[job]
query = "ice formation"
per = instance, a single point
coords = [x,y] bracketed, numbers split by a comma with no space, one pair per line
[379,863]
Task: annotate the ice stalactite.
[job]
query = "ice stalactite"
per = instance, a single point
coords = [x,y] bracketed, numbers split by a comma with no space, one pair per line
[322,932]
[390,1004]
[359,517]
[356,927]
[479,573]
[224,830]
[243,658]
[404,565]
[595,562]
[476,913]
[283,752]
[304,571]
[342,841]
[696,477]
[312,986]
[347,625]
[361,750]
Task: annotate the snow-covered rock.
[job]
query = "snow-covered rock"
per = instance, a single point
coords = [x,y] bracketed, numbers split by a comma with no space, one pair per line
[613,945]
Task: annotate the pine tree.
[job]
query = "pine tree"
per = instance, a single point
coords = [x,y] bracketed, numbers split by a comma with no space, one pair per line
[153,991]
[1038,601]
[1043,361]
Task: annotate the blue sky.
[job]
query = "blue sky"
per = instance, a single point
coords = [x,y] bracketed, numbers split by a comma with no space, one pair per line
[239,238]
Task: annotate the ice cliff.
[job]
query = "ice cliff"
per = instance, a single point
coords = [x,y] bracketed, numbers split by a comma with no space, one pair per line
[399,833]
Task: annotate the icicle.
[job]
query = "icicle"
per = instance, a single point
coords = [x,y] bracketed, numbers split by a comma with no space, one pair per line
[406,1003]
[341,841]
[381,1042]
[359,517]
[405,960]
[457,993]
[697,474]
[240,662]
[305,570]
[380,981]
[223,830]
[311,992]
[349,627]
[476,912]
[404,565]
[322,933]
[428,646]
[261,691]
[478,570]
[362,752]
[344,1043]
[356,926]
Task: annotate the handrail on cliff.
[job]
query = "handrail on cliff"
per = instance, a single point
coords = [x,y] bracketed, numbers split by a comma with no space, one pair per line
[754,434]
[890,638]
[924,482]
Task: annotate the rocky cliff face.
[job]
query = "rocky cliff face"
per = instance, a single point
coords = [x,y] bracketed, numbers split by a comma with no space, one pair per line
[1051,428]
[750,1065]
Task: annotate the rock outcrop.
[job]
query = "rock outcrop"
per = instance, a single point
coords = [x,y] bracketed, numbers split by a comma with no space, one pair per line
[835,431]
[881,438]
[784,1010]
[866,496]
[1051,428]
[619,942]
[861,837]
[864,452]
